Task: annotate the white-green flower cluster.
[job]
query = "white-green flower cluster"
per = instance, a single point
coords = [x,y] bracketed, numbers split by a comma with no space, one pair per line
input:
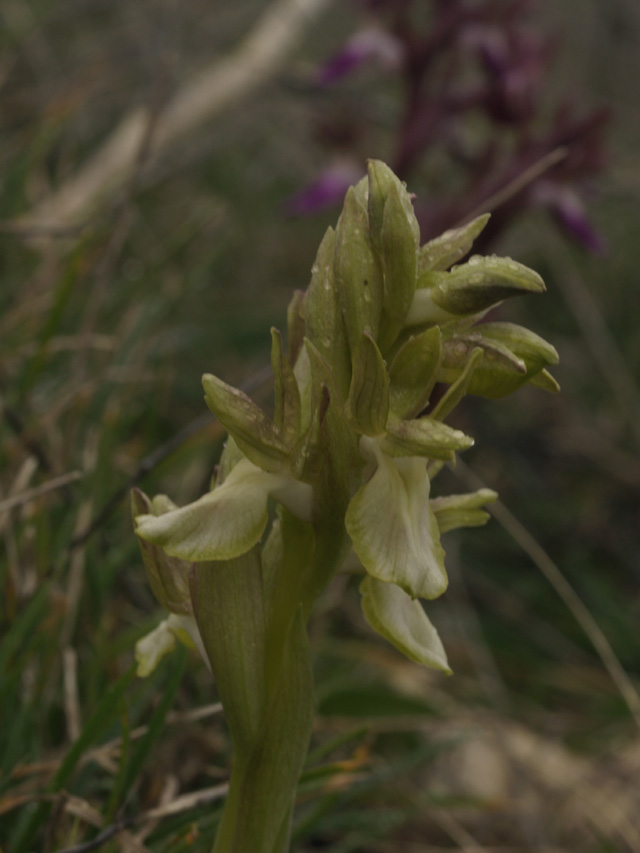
[355,434]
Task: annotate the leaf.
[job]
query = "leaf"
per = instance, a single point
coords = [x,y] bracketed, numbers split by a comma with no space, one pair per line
[271,775]
[229,610]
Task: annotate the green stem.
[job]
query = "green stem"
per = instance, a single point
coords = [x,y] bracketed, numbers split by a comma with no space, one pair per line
[227,826]
[290,593]
[269,752]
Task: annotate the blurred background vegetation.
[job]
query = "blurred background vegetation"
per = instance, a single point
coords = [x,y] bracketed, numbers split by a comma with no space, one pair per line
[151,155]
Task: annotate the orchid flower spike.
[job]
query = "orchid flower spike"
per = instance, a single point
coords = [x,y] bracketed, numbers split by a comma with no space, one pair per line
[340,469]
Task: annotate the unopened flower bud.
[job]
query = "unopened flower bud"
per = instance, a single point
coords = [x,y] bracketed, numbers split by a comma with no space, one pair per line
[473,287]
[513,356]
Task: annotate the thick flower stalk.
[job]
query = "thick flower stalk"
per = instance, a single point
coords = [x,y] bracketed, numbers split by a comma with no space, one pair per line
[347,459]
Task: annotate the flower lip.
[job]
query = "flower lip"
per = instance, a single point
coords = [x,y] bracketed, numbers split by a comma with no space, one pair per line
[392,526]
[228,521]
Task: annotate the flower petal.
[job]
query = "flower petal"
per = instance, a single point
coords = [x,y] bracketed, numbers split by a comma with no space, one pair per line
[402,621]
[392,527]
[221,525]
[153,647]
[455,511]
[158,643]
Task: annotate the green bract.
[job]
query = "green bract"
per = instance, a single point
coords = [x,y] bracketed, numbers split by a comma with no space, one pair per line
[384,344]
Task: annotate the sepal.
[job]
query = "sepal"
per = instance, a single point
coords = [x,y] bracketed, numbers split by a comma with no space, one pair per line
[402,621]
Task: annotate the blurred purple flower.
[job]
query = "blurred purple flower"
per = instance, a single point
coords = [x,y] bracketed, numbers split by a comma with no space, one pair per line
[329,188]
[568,209]
[515,60]
[490,43]
[371,44]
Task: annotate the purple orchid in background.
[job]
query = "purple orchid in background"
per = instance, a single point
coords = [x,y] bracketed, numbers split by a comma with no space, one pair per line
[371,44]
[328,189]
[474,83]
[566,205]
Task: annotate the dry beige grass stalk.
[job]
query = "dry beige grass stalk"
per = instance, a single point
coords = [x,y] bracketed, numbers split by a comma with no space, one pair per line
[225,82]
